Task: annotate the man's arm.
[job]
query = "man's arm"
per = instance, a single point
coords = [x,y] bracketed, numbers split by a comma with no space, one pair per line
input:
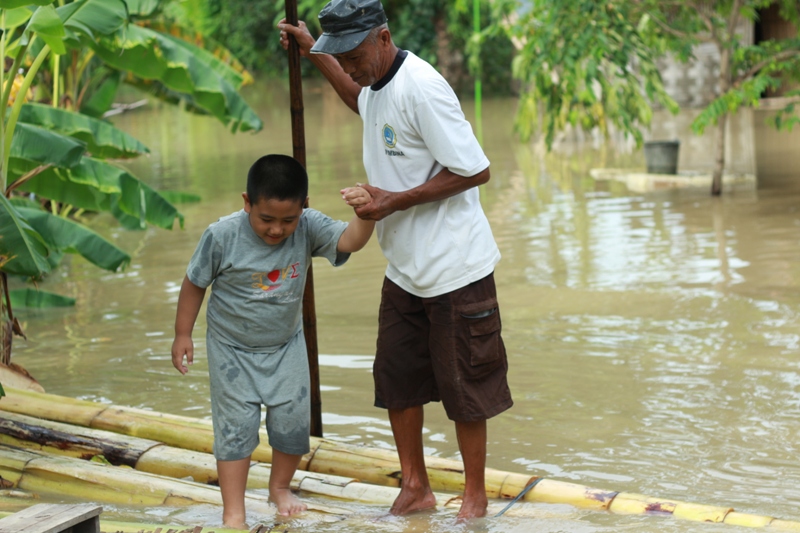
[189,302]
[345,87]
[443,185]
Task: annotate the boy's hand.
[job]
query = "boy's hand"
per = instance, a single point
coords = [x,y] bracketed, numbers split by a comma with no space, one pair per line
[182,346]
[356,196]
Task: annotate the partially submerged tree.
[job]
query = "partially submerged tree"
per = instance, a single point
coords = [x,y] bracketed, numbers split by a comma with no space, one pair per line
[54,159]
[591,64]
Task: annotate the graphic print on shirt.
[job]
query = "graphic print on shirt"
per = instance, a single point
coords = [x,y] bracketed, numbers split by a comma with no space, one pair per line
[390,140]
[269,281]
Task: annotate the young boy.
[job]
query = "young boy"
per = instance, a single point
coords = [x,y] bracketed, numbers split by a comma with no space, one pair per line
[257,260]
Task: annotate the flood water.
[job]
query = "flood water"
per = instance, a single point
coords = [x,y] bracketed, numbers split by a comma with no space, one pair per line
[653,336]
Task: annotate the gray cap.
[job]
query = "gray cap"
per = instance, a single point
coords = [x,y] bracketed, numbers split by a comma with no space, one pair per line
[345,24]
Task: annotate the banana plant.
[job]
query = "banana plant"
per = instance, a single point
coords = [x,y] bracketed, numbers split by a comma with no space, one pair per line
[55,160]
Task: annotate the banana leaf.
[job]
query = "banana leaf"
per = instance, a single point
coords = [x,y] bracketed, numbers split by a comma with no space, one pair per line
[143,8]
[22,249]
[102,139]
[181,67]
[104,82]
[35,299]
[55,184]
[96,185]
[71,237]
[219,57]
[12,4]
[92,18]
[46,23]
[16,18]
[179,197]
[45,147]
[139,199]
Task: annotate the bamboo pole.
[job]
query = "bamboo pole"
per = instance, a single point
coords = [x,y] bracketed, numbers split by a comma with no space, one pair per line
[299,153]
[364,463]
[113,526]
[55,438]
[66,476]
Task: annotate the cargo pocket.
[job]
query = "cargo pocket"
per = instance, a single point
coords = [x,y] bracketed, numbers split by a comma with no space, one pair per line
[483,329]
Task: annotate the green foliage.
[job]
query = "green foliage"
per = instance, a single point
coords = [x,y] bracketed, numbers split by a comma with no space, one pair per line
[53,164]
[100,138]
[586,64]
[36,299]
[248,27]
[589,64]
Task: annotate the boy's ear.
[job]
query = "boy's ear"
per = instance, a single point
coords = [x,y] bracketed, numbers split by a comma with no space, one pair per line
[305,204]
[246,202]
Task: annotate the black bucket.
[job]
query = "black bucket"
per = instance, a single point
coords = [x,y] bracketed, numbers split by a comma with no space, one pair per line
[661,157]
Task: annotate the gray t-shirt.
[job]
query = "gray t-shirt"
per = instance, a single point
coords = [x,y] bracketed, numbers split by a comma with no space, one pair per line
[256,299]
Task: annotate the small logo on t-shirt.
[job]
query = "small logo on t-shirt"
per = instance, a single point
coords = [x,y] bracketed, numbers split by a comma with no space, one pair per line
[390,140]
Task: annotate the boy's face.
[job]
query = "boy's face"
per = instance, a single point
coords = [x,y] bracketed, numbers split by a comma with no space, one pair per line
[273,220]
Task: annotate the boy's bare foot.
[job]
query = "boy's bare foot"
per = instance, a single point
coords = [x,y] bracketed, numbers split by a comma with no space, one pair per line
[410,500]
[287,503]
[235,523]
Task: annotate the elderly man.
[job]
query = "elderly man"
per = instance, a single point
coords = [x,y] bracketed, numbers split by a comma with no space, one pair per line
[439,322]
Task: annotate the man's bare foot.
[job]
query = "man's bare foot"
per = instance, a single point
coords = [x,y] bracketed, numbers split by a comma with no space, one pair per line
[287,503]
[410,500]
[472,507]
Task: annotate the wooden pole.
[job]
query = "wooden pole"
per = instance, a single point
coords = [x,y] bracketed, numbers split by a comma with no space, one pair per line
[299,153]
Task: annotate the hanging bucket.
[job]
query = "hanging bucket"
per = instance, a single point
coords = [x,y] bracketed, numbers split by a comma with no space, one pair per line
[661,157]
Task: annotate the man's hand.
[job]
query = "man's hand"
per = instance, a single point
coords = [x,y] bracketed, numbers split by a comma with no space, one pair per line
[182,346]
[381,206]
[301,34]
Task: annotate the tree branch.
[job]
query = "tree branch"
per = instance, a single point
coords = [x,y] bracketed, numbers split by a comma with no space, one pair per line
[786,54]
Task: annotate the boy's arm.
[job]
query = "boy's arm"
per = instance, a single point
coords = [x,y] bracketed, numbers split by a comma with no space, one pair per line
[189,302]
[356,235]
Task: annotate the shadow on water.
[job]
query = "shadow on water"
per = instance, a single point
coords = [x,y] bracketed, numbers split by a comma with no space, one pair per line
[652,337]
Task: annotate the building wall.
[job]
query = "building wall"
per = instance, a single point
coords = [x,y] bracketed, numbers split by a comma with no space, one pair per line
[694,84]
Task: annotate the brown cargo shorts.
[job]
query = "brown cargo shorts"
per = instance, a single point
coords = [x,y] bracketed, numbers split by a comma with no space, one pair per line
[446,348]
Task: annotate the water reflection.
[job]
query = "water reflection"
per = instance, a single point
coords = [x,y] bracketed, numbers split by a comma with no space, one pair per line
[653,337]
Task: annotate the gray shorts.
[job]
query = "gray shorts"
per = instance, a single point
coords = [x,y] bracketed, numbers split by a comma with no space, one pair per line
[242,381]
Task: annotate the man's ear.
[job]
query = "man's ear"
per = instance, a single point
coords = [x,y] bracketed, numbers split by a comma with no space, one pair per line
[246,202]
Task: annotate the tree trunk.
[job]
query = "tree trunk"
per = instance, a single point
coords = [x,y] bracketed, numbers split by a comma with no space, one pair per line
[719,158]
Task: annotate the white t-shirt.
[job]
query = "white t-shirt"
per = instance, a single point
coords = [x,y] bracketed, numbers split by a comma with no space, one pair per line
[413,128]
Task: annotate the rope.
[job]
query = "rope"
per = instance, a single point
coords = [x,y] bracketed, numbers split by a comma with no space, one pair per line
[520,495]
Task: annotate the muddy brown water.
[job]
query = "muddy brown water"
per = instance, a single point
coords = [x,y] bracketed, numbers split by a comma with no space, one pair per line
[653,336]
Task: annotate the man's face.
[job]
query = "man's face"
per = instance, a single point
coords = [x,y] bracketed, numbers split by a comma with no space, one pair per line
[273,220]
[363,63]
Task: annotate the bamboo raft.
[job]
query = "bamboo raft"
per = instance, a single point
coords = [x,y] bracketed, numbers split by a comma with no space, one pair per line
[43,450]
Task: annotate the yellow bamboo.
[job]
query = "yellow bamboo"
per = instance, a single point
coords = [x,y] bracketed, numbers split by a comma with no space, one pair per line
[66,476]
[78,442]
[784,525]
[626,503]
[113,526]
[553,491]
[700,513]
[366,464]
[747,520]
